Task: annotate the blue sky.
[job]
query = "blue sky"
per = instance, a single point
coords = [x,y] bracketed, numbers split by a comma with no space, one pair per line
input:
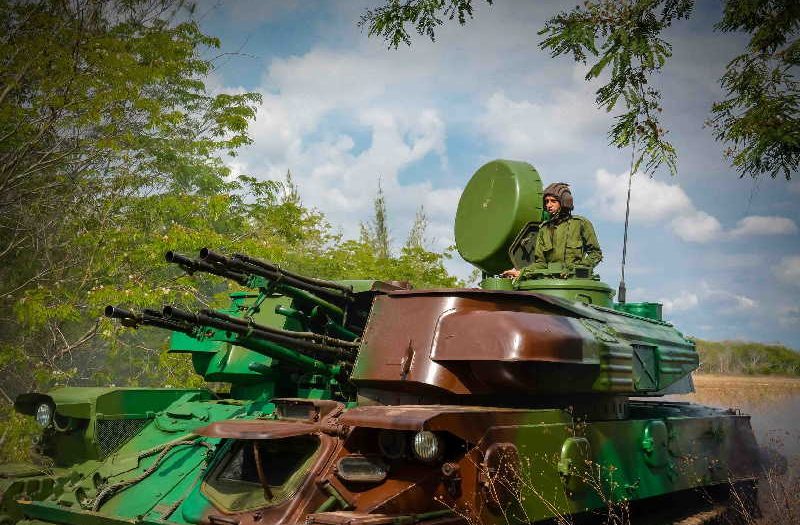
[341,111]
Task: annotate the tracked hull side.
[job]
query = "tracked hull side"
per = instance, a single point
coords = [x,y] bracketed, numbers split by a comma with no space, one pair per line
[542,464]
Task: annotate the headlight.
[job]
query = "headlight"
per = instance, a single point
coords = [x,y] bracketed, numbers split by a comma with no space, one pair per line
[427,446]
[355,467]
[44,415]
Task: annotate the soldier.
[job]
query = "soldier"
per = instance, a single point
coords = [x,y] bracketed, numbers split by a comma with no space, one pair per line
[563,238]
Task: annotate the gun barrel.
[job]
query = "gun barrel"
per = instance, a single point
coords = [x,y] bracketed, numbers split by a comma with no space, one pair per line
[330,326]
[310,280]
[321,339]
[194,265]
[212,257]
[250,330]
[170,312]
[284,339]
[326,290]
[146,318]
[274,345]
[115,312]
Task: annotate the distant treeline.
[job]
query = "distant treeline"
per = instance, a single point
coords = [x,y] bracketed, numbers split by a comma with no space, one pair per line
[740,357]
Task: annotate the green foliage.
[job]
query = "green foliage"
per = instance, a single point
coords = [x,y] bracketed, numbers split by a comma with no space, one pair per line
[416,236]
[389,20]
[376,232]
[739,357]
[371,256]
[758,119]
[15,435]
[625,39]
[109,153]
[760,116]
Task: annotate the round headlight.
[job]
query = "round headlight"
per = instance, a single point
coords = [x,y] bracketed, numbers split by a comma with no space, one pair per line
[427,446]
[44,415]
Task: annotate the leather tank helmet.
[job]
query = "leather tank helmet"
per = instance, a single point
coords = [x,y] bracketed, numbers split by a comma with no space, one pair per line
[560,190]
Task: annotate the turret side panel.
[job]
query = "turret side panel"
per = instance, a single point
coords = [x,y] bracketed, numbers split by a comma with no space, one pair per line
[472,344]
[468,343]
[484,335]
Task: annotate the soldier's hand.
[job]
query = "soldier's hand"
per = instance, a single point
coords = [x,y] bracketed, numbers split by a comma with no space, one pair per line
[513,273]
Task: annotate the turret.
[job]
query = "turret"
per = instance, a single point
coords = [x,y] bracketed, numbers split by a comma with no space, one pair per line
[551,338]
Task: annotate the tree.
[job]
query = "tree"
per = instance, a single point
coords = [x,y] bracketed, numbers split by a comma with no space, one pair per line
[376,232]
[416,236]
[109,148]
[758,121]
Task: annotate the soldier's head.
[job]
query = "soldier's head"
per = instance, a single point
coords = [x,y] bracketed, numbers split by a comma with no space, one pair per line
[557,198]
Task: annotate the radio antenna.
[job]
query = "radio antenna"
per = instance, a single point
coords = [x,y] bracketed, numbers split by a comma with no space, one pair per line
[621,292]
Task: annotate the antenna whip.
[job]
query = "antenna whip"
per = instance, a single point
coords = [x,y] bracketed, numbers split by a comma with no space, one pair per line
[621,292]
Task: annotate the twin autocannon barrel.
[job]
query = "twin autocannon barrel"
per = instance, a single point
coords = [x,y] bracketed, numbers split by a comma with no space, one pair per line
[331,297]
[305,349]
[147,317]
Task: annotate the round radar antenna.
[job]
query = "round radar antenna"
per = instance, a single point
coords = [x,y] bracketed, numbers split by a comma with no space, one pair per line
[500,198]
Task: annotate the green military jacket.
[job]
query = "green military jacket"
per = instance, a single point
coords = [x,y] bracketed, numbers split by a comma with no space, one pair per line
[570,241]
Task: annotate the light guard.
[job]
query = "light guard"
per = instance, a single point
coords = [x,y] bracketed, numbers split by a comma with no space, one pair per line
[362,469]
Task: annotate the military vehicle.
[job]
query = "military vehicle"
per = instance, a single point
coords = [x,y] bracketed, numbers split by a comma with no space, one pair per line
[370,403]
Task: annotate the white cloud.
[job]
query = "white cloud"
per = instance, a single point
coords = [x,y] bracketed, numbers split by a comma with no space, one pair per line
[339,135]
[764,225]
[302,93]
[744,303]
[725,301]
[788,270]
[653,201]
[715,299]
[527,129]
[696,226]
[342,183]
[684,301]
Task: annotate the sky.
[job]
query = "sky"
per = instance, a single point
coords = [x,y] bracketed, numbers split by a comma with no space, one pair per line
[344,113]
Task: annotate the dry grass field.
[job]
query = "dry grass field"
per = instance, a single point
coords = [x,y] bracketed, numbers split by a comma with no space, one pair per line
[774,406]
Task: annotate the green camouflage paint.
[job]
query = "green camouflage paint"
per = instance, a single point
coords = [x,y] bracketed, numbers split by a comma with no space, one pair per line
[527,393]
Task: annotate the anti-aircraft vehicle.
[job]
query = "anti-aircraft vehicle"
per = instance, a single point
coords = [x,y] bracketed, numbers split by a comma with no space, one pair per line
[368,403]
